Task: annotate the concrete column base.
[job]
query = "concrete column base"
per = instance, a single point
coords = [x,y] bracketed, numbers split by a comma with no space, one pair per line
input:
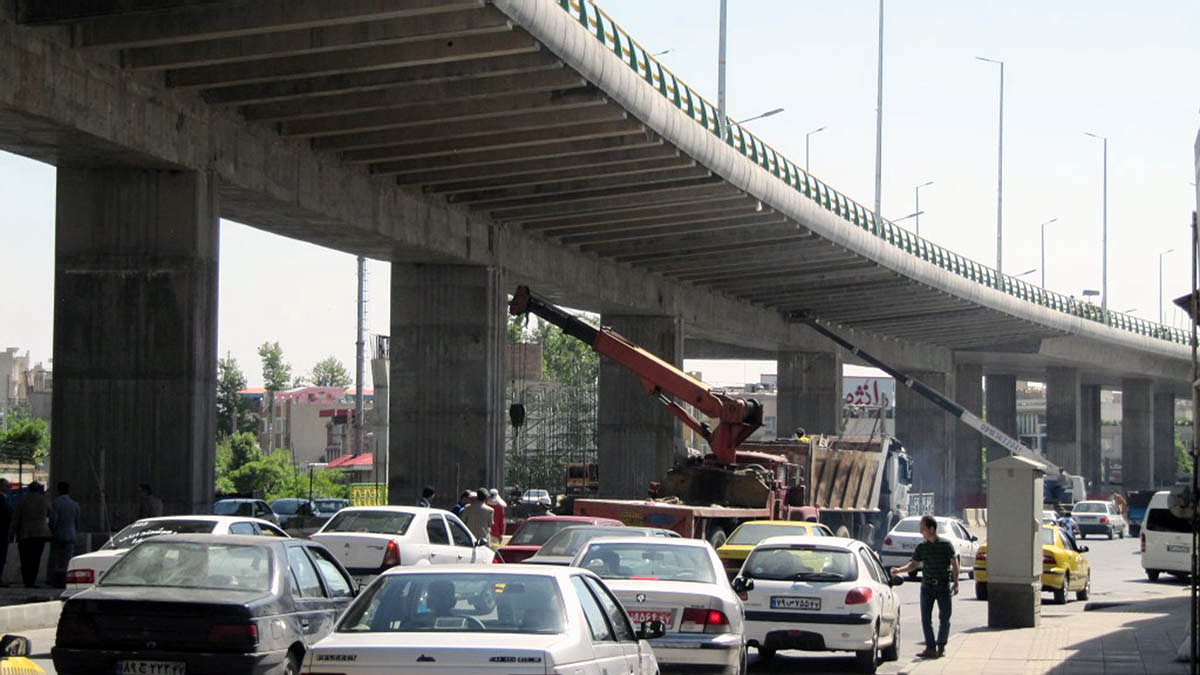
[810,393]
[1014,605]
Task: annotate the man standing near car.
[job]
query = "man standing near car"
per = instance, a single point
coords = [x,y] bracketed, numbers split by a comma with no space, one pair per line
[479,517]
[64,523]
[939,580]
[5,520]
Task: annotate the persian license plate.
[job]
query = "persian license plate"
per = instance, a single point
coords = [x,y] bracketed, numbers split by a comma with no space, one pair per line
[637,616]
[1178,548]
[150,668]
[907,547]
[789,602]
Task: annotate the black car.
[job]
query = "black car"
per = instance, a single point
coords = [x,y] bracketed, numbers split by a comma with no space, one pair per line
[196,604]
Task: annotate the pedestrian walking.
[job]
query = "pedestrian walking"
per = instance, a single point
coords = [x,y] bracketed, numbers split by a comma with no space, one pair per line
[64,524]
[6,513]
[31,527]
[427,496]
[1067,522]
[939,580]
[498,505]
[479,516]
[149,505]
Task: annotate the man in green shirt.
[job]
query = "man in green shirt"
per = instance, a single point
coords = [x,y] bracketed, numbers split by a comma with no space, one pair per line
[939,580]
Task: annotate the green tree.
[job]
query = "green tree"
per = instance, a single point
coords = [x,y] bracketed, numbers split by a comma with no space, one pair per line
[1183,460]
[24,438]
[329,372]
[276,375]
[231,407]
[566,359]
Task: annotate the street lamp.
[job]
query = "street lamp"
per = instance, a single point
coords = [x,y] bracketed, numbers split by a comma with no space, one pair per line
[1052,220]
[999,172]
[722,123]
[311,466]
[665,51]
[1029,271]
[1160,303]
[915,214]
[806,145]
[759,117]
[1104,229]
[917,206]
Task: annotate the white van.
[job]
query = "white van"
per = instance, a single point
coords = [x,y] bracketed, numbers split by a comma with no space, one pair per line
[1166,540]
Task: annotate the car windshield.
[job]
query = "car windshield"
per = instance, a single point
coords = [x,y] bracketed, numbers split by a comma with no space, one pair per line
[329,504]
[1086,507]
[180,564]
[133,534]
[457,603]
[536,532]
[232,507]
[752,533]
[285,507]
[802,563]
[376,522]
[647,560]
[913,526]
[569,541]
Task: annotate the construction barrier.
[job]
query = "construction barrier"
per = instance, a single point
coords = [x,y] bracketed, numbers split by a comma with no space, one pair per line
[975,518]
[368,494]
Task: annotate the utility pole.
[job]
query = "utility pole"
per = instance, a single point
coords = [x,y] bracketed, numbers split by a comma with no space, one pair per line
[358,355]
[722,120]
[878,120]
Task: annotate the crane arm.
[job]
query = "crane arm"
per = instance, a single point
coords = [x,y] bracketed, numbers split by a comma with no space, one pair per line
[736,418]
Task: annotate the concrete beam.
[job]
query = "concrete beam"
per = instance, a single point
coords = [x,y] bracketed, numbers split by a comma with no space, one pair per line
[596,241]
[530,180]
[489,157]
[1063,418]
[926,432]
[682,192]
[40,11]
[699,348]
[534,170]
[1137,435]
[503,197]
[649,215]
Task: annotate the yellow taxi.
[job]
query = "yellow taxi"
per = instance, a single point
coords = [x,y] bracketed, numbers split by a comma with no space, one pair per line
[14,657]
[1064,569]
[743,539]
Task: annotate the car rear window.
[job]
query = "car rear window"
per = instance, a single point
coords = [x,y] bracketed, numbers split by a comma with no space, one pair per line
[457,603]
[802,563]
[179,564]
[645,560]
[1162,520]
[232,507]
[285,507]
[375,522]
[913,525]
[133,534]
[748,535]
[570,540]
[536,532]
[1085,507]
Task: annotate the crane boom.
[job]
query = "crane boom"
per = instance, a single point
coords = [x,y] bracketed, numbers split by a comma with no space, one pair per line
[736,418]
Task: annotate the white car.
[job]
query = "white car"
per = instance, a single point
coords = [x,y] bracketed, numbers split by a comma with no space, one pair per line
[370,539]
[899,544]
[562,547]
[535,496]
[820,594]
[682,583]
[1166,539]
[1098,517]
[85,570]
[503,619]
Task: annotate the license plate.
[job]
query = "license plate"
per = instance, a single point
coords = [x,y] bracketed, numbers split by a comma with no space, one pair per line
[908,547]
[150,668]
[637,616]
[788,602]
[1178,548]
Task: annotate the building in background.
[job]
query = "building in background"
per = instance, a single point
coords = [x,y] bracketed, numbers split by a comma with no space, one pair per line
[314,424]
[24,386]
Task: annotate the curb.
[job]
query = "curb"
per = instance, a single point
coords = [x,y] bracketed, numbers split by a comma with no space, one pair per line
[31,616]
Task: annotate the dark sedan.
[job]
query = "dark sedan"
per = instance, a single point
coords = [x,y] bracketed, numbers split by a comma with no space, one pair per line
[195,604]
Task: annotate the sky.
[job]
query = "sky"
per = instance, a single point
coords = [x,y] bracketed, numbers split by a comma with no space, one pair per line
[1127,71]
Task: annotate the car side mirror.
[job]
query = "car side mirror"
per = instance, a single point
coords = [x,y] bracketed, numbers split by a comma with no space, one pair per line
[1083,549]
[650,630]
[481,542]
[974,538]
[895,581]
[742,584]
[14,645]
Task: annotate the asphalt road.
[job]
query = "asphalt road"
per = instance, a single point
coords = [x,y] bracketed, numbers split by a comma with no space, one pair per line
[1116,576]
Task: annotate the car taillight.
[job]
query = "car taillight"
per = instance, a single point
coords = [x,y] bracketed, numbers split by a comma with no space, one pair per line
[233,633]
[81,577]
[391,557]
[858,596]
[887,541]
[1143,538]
[1048,559]
[1103,520]
[700,620]
[75,629]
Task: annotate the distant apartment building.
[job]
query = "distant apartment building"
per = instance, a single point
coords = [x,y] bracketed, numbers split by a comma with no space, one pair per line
[25,386]
[314,424]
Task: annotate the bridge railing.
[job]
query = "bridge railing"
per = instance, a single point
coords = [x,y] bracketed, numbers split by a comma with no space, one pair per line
[604,29]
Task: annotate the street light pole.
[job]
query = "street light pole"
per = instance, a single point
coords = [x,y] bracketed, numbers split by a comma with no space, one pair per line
[1104,229]
[999,174]
[806,146]
[917,206]
[722,123]
[879,120]
[1044,249]
[1160,283]
[760,116]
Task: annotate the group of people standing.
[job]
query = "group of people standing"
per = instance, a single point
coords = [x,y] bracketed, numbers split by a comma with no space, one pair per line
[33,522]
[482,510]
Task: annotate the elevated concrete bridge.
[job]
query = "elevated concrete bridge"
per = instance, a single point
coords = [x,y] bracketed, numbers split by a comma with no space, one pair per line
[477,145]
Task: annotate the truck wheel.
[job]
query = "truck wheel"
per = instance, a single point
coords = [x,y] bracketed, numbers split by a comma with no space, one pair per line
[717,539]
[1152,575]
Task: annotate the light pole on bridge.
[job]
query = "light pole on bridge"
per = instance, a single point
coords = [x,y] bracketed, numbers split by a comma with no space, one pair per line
[1104,228]
[917,205]
[1160,283]
[1052,220]
[999,174]
[817,130]
[760,116]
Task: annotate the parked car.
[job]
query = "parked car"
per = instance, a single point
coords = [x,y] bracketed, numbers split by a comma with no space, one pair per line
[1166,540]
[1049,517]
[255,508]
[1098,517]
[1064,568]
[561,548]
[84,570]
[534,496]
[1136,503]
[746,536]
[504,619]
[190,604]
[681,583]
[327,506]
[902,540]
[820,594]
[293,510]
[371,539]
[534,532]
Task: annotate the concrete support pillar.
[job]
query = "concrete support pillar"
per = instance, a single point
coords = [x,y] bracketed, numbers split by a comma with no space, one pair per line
[1090,448]
[1164,439]
[1001,409]
[810,393]
[926,432]
[447,381]
[968,443]
[1137,413]
[1063,418]
[638,439]
[135,340]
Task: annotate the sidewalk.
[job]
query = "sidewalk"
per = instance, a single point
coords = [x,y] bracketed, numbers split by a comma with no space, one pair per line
[1138,636]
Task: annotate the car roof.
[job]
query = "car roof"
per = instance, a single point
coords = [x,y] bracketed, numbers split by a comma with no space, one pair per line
[203,516]
[806,539]
[793,523]
[588,520]
[394,509]
[239,499]
[940,519]
[243,539]
[508,568]
[653,541]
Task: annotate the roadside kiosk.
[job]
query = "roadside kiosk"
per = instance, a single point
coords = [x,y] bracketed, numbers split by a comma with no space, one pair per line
[1014,545]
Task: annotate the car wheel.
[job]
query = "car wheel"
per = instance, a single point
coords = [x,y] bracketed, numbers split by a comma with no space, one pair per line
[1110,534]
[292,665]
[743,668]
[981,590]
[892,651]
[765,653]
[1083,593]
[865,661]
[1060,594]
[1152,575]
[1121,532]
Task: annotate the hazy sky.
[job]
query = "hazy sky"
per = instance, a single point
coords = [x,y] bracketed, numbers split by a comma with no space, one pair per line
[1128,71]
